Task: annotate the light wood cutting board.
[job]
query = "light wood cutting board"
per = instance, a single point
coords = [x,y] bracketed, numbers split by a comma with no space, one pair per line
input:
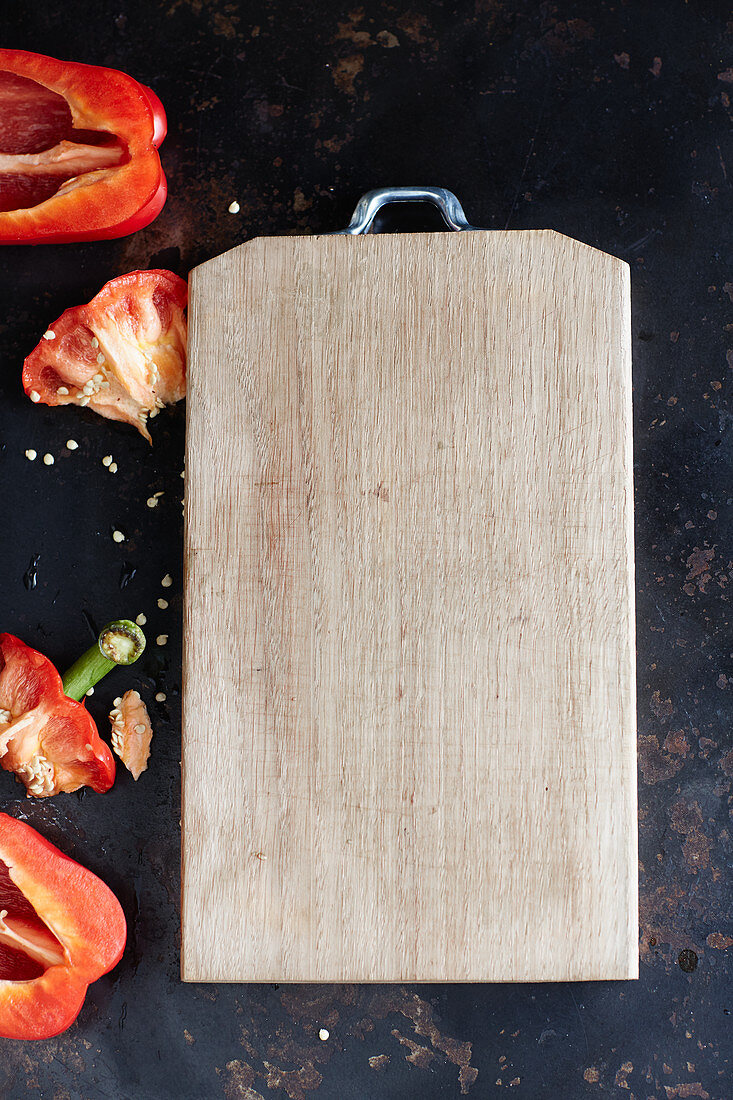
[409,713]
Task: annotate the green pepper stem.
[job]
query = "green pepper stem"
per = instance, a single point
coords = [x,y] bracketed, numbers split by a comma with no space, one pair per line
[120,643]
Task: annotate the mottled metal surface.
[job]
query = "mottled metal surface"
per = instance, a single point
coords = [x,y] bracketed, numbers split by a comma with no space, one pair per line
[608,121]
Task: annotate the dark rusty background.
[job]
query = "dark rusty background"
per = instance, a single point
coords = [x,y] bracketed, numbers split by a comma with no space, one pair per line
[609,121]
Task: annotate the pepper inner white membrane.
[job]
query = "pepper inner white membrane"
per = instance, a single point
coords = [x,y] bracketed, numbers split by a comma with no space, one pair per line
[40,150]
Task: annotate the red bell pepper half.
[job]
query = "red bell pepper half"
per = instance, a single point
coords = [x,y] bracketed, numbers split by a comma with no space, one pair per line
[61,928]
[47,737]
[123,354]
[78,151]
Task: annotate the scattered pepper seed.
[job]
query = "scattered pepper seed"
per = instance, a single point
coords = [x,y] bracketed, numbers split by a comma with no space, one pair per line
[48,460]
[160,697]
[162,639]
[100,358]
[162,604]
[141,619]
[71,445]
[35,396]
[91,691]
[95,342]
[152,502]
[113,468]
[323,1034]
[116,702]
[49,334]
[31,455]
[107,460]
[234,207]
[167,581]
[117,536]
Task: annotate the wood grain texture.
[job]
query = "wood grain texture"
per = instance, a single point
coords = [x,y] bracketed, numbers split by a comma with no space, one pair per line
[409,707]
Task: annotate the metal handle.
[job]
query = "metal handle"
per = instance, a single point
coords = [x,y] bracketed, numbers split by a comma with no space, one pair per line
[372,201]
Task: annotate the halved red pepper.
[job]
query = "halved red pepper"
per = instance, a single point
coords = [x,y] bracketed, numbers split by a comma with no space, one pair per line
[47,737]
[61,928]
[78,151]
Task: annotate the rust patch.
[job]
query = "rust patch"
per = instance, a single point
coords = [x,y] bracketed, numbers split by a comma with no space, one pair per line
[622,60]
[655,764]
[388,40]
[685,816]
[719,941]
[622,1073]
[727,763]
[295,1082]
[354,1010]
[676,743]
[661,708]
[696,852]
[350,30]
[686,1090]
[346,71]
[239,1081]
[698,566]
[315,1004]
[661,912]
[592,1075]
[413,24]
[417,1010]
[419,1055]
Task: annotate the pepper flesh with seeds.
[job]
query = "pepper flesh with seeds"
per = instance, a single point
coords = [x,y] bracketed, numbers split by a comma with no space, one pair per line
[123,354]
[78,151]
[61,928]
[131,732]
[47,739]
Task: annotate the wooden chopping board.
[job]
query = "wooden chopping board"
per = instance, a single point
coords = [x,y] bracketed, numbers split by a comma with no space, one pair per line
[409,712]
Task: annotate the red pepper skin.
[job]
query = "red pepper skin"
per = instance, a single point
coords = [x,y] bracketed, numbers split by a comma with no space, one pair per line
[47,739]
[78,909]
[121,199]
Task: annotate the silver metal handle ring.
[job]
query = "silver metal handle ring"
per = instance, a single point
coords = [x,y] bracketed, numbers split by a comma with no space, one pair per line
[370,203]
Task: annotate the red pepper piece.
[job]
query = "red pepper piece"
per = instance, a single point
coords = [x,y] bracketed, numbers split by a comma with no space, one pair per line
[61,928]
[47,739]
[123,354]
[78,151]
